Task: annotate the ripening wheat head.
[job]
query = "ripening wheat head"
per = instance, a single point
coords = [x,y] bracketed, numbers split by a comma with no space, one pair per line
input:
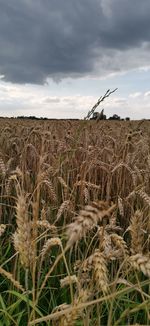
[137,234]
[87,219]
[140,263]
[100,271]
[23,236]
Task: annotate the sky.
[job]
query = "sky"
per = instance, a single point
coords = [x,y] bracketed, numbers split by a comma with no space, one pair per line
[57,57]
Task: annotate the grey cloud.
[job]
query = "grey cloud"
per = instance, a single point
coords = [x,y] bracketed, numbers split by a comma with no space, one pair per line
[52,100]
[59,38]
[128,24]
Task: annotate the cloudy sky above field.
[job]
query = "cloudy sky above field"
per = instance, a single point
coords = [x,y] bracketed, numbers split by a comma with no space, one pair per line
[58,56]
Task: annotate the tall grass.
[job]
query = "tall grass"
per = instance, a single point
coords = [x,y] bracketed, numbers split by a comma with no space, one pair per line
[74,223]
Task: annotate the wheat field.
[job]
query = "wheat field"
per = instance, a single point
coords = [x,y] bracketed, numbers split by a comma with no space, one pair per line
[74,222]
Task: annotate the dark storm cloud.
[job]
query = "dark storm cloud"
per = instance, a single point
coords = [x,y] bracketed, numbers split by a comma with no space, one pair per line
[58,38]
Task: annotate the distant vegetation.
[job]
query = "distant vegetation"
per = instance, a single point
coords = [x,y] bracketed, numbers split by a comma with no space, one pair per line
[31,117]
[101,116]
[96,116]
[92,115]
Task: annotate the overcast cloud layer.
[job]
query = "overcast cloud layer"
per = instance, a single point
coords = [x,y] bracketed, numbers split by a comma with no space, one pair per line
[42,39]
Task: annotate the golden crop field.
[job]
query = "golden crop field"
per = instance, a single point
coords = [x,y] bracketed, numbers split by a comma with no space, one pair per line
[74,222]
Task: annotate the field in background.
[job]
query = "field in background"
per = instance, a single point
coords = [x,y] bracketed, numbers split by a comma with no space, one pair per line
[74,222]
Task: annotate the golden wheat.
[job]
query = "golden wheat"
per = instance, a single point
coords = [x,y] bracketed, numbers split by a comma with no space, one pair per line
[141,263]
[100,271]
[50,175]
[22,238]
[11,278]
[137,233]
[87,219]
[2,229]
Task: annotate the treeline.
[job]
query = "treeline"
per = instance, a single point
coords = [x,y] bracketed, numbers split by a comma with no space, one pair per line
[31,117]
[41,118]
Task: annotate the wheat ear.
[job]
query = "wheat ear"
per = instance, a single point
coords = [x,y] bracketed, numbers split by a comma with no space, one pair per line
[87,219]
[10,277]
[140,263]
[2,229]
[23,241]
[137,235]
[100,271]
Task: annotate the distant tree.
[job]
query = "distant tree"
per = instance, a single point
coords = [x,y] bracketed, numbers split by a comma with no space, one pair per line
[115,117]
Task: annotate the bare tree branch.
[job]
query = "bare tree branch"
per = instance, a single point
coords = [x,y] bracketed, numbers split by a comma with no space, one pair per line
[100,100]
